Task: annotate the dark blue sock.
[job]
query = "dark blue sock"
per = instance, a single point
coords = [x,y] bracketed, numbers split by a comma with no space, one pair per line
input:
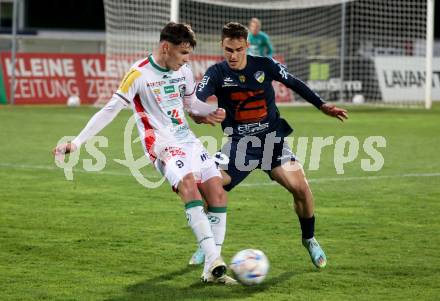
[307,227]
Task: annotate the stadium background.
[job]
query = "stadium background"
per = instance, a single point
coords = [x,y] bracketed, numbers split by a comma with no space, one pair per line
[315,60]
[103,236]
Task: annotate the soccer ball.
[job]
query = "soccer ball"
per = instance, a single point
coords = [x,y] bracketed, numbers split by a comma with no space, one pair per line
[73,101]
[358,99]
[250,266]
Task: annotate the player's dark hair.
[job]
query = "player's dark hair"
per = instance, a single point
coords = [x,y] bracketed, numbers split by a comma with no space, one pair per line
[178,33]
[234,30]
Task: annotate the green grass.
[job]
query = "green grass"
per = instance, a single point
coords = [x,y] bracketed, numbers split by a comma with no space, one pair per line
[103,236]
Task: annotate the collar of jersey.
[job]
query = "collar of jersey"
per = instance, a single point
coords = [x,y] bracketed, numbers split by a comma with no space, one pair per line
[151,59]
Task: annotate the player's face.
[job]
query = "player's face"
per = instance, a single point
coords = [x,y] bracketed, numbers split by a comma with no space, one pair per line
[234,51]
[177,55]
[254,28]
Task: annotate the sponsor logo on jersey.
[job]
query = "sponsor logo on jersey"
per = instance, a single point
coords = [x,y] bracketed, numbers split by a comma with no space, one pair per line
[283,71]
[259,76]
[176,80]
[169,152]
[204,156]
[181,131]
[179,163]
[203,83]
[228,82]
[169,89]
[174,116]
[166,76]
[156,91]
[173,95]
[170,103]
[156,84]
[252,128]
[242,78]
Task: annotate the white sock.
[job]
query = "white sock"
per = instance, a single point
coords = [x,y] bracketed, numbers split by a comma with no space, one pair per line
[217,219]
[199,223]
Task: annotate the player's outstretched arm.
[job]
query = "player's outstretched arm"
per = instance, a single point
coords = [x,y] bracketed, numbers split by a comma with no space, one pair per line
[202,112]
[99,121]
[213,118]
[282,75]
[334,111]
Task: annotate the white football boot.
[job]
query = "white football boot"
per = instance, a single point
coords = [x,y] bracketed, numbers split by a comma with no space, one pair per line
[217,274]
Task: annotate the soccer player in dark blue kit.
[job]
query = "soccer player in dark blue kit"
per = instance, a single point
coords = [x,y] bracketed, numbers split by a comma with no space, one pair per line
[243,86]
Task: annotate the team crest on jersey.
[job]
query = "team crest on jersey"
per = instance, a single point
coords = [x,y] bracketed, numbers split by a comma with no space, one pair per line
[242,78]
[259,76]
[182,89]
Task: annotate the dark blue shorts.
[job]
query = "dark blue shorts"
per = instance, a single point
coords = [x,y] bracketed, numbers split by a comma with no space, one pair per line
[248,154]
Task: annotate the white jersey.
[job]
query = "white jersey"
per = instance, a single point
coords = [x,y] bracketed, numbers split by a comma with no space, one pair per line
[157,98]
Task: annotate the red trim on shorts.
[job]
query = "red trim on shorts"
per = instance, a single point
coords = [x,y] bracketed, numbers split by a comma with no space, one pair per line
[150,137]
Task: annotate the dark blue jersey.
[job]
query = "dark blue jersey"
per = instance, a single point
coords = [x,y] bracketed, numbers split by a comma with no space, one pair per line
[248,96]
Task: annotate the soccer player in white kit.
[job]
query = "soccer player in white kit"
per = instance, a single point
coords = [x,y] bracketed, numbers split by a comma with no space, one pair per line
[159,88]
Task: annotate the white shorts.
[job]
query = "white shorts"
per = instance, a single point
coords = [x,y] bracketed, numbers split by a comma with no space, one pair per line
[175,162]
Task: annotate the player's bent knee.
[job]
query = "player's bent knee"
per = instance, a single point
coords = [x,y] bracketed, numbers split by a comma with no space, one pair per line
[217,196]
[301,193]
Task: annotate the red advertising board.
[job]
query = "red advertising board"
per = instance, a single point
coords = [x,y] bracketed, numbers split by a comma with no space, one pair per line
[46,78]
[49,78]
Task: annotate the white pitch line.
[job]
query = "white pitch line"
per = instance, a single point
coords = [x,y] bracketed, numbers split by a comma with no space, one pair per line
[317,180]
[75,170]
[342,178]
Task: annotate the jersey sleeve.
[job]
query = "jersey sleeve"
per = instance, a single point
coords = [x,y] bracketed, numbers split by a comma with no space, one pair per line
[190,83]
[208,84]
[190,101]
[99,121]
[281,74]
[128,87]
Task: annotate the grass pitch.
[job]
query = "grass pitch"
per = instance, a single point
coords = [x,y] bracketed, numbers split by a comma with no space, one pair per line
[103,236]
